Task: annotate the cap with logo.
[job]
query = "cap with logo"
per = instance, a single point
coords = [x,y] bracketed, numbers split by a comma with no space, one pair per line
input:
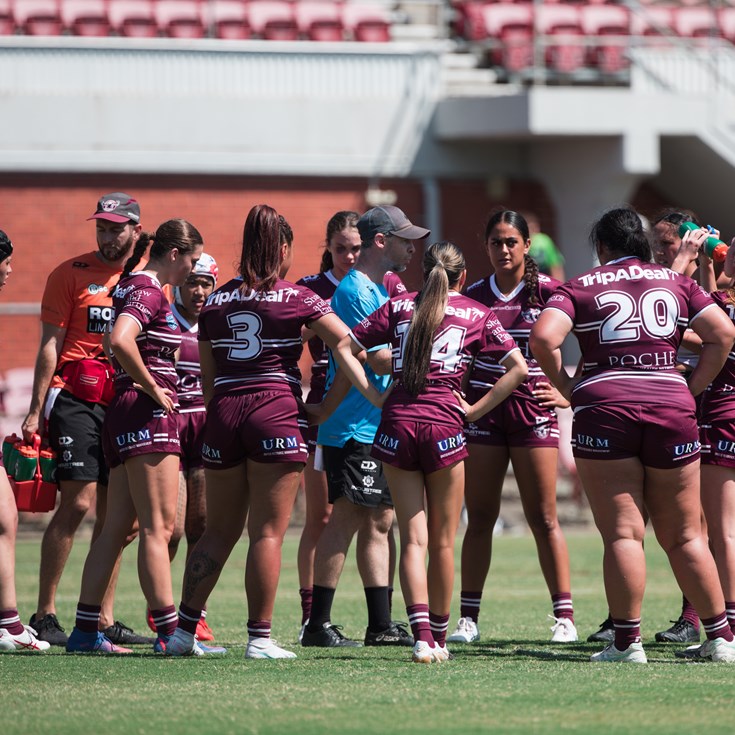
[117,207]
[388,220]
[6,247]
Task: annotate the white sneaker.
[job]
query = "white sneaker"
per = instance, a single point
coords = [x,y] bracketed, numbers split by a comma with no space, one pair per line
[25,641]
[266,648]
[563,631]
[715,650]
[633,654]
[465,632]
[441,653]
[424,653]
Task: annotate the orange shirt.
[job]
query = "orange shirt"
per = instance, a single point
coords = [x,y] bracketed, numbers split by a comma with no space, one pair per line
[78,297]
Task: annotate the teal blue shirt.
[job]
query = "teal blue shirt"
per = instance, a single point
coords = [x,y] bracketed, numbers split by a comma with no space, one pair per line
[356,418]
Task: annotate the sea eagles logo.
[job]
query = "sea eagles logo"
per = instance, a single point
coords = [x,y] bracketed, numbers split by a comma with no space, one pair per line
[542,431]
[94,289]
[171,321]
[531,314]
[110,205]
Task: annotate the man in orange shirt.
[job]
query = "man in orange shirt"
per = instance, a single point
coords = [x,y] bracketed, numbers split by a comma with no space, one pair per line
[73,380]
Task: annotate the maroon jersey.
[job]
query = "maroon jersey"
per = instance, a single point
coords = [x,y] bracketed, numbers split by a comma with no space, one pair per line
[256,337]
[517,316]
[718,401]
[468,329]
[325,284]
[188,369]
[140,297]
[629,317]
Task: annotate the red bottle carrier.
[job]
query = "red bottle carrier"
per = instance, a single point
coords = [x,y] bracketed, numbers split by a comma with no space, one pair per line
[36,495]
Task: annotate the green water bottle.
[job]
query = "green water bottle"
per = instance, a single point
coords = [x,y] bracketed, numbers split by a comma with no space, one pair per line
[47,458]
[715,249]
[26,463]
[10,452]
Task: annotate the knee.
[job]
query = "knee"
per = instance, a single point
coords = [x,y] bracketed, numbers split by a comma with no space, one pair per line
[543,523]
[381,522]
[481,521]
[73,508]
[194,530]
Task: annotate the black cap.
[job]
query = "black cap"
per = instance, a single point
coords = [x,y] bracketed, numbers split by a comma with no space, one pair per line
[388,220]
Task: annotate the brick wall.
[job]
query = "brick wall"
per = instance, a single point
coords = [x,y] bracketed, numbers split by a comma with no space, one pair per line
[45,216]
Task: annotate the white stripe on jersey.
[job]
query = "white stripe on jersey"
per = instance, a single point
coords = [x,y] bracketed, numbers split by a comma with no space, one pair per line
[630,375]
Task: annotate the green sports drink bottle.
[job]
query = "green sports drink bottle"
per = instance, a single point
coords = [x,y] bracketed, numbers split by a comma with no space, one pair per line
[10,452]
[715,249]
[26,463]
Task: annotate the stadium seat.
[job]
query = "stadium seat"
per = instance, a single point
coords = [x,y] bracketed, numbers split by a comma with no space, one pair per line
[469,20]
[565,50]
[85,17]
[726,18]
[7,24]
[319,21]
[511,26]
[179,18]
[369,23]
[226,19]
[38,17]
[652,20]
[607,20]
[273,20]
[133,18]
[696,22]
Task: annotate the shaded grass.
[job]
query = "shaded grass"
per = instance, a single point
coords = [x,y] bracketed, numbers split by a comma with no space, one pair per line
[513,681]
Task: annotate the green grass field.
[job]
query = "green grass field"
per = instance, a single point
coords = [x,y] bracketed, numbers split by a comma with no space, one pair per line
[513,681]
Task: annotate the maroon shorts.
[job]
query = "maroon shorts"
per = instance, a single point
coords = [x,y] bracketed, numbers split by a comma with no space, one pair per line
[662,436]
[418,445]
[135,424]
[718,443]
[266,426]
[518,421]
[191,436]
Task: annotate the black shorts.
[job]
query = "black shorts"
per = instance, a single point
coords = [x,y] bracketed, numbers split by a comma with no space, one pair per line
[353,474]
[75,434]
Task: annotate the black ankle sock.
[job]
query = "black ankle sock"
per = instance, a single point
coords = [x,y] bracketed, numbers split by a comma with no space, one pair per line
[378,608]
[321,608]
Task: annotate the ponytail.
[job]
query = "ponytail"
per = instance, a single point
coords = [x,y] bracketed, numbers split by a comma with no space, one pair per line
[145,239]
[443,267]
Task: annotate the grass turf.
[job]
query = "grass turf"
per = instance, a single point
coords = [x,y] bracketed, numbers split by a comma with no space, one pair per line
[513,681]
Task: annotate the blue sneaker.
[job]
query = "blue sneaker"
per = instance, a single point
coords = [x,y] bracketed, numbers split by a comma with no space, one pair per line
[80,642]
[207,650]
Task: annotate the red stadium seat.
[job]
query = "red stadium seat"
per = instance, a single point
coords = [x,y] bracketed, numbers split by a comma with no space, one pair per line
[319,21]
[38,17]
[85,17]
[7,22]
[607,20]
[726,19]
[367,22]
[511,24]
[179,18]
[273,20]
[469,20]
[133,18]
[227,19]
[696,22]
[565,50]
[653,20]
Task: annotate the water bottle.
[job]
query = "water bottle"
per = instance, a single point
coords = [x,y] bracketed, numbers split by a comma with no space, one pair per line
[47,458]
[714,248]
[26,463]
[10,452]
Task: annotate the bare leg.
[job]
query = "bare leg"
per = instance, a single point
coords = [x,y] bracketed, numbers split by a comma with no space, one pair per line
[718,501]
[535,471]
[334,543]
[485,469]
[227,508]
[273,488]
[8,528]
[373,549]
[58,539]
[153,481]
[180,522]
[318,510]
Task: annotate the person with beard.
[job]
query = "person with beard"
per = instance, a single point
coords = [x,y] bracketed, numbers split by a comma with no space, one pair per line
[72,385]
